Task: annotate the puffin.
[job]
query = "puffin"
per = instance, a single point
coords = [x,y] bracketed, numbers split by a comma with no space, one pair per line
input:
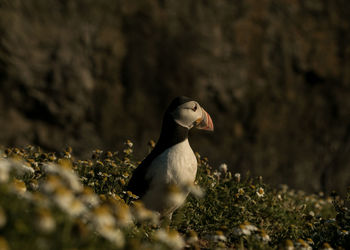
[172,164]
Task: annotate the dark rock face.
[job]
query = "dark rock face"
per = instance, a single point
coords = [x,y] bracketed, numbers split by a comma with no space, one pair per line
[274,75]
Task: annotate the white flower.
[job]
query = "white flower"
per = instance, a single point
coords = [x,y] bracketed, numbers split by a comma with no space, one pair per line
[172,239]
[21,168]
[302,245]
[64,170]
[217,174]
[77,208]
[89,197]
[123,214]
[3,244]
[250,227]
[176,194]
[142,214]
[260,192]
[4,171]
[105,225]
[262,235]
[219,236]
[3,218]
[326,246]
[19,186]
[343,232]
[241,230]
[196,190]
[103,218]
[237,177]
[288,245]
[51,184]
[129,143]
[193,238]
[240,191]
[310,241]
[223,168]
[245,229]
[45,223]
[284,188]
[114,235]
[64,199]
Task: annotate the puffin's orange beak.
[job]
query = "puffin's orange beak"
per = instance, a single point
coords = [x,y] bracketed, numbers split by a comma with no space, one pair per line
[205,122]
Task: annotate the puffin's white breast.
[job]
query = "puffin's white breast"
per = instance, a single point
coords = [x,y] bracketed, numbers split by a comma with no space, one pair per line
[175,166]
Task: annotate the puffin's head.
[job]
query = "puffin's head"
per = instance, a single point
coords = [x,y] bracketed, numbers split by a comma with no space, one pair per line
[188,113]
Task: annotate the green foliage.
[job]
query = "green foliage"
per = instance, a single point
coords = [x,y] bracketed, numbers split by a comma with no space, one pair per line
[52,201]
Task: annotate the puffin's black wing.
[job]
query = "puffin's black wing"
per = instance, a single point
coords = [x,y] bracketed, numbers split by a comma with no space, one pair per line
[138,183]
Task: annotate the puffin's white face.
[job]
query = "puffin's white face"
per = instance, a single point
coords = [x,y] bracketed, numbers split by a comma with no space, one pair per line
[191,114]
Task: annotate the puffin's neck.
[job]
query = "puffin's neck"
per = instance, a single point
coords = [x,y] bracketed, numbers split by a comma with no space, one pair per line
[171,133]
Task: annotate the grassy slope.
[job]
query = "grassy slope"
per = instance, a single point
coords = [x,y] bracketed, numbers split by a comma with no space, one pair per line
[82,204]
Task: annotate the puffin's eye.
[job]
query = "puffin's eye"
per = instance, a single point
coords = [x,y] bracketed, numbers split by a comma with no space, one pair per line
[194,108]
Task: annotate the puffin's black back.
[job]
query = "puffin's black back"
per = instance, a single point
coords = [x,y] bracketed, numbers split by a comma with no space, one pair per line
[171,134]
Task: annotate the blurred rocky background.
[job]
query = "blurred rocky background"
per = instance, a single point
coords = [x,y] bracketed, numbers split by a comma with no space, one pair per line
[274,75]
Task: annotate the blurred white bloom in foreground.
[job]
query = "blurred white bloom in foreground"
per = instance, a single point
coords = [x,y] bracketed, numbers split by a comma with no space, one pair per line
[22,168]
[262,235]
[326,246]
[176,194]
[114,235]
[196,190]
[4,170]
[3,218]
[218,236]
[3,244]
[288,245]
[123,215]
[51,184]
[302,245]
[172,238]
[89,197]
[223,168]
[19,186]
[106,226]
[142,214]
[192,237]
[76,208]
[19,168]
[65,171]
[245,229]
[45,222]
[241,230]
[64,198]
[249,226]
[102,217]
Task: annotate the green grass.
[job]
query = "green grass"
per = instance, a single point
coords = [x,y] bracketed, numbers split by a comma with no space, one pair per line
[52,201]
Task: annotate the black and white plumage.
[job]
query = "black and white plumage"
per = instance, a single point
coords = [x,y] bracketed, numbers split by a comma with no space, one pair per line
[172,161]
